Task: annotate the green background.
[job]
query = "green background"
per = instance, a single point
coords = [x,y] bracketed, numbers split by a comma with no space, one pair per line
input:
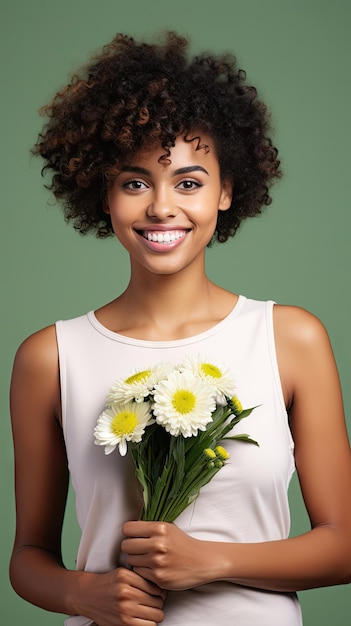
[298,54]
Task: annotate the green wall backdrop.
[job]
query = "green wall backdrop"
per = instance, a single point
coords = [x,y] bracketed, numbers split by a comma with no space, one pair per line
[298,53]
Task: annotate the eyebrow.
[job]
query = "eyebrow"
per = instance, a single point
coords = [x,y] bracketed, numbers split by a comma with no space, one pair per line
[190,168]
[135,169]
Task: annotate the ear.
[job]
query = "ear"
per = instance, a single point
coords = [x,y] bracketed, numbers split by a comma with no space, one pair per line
[226,196]
[105,206]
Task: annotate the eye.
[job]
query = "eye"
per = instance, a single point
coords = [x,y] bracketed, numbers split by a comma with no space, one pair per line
[188,185]
[135,185]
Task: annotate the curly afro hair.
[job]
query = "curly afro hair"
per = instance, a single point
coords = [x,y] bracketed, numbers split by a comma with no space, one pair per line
[138,94]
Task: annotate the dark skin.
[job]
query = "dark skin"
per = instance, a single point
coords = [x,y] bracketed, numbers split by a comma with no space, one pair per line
[162,556]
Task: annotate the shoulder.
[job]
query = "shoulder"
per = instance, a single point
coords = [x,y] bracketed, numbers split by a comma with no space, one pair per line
[298,327]
[36,361]
[35,386]
[303,349]
[39,349]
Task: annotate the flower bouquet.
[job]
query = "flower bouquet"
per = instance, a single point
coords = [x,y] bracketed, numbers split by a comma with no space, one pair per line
[173,420]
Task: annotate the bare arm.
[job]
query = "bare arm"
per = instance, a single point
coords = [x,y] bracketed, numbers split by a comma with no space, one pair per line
[320,557]
[41,476]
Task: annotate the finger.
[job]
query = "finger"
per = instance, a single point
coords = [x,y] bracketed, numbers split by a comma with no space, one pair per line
[147,573]
[152,600]
[139,560]
[143,529]
[151,615]
[135,546]
[144,584]
[137,529]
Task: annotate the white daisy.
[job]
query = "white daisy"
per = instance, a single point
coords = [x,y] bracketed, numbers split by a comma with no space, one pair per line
[138,385]
[183,404]
[120,423]
[216,375]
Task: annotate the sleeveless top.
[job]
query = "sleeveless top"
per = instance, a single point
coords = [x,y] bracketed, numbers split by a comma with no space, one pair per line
[245,502]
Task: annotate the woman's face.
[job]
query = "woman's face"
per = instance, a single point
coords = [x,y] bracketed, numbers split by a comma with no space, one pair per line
[165,215]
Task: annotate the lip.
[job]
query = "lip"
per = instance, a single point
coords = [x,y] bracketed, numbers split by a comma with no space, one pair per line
[162,238]
[161,227]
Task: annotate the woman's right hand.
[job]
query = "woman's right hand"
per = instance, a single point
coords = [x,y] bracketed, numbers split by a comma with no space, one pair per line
[119,598]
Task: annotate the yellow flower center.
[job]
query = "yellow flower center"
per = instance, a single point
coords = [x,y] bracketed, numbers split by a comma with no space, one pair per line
[183,401]
[138,377]
[123,423]
[211,370]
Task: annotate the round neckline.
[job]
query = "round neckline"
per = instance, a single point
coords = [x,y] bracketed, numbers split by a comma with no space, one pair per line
[165,343]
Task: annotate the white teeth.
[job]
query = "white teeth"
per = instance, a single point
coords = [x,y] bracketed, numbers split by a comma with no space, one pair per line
[166,237]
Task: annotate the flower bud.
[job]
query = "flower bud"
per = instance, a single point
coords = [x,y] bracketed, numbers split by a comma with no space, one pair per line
[222,453]
[236,405]
[209,453]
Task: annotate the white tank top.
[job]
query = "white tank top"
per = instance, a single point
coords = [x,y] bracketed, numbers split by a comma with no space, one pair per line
[245,502]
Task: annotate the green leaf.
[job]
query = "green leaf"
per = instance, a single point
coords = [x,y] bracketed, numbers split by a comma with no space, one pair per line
[243,437]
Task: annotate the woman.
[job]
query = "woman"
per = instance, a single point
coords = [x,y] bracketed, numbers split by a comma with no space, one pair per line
[170,153]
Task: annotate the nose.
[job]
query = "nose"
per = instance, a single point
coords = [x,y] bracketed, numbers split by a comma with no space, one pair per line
[162,205]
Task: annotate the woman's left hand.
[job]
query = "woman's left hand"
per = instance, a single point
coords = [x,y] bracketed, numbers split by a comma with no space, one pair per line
[165,555]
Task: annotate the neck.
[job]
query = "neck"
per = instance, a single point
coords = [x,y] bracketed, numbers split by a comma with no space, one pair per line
[160,296]
[168,306]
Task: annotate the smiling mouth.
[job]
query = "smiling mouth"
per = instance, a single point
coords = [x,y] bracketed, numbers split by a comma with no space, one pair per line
[168,236]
